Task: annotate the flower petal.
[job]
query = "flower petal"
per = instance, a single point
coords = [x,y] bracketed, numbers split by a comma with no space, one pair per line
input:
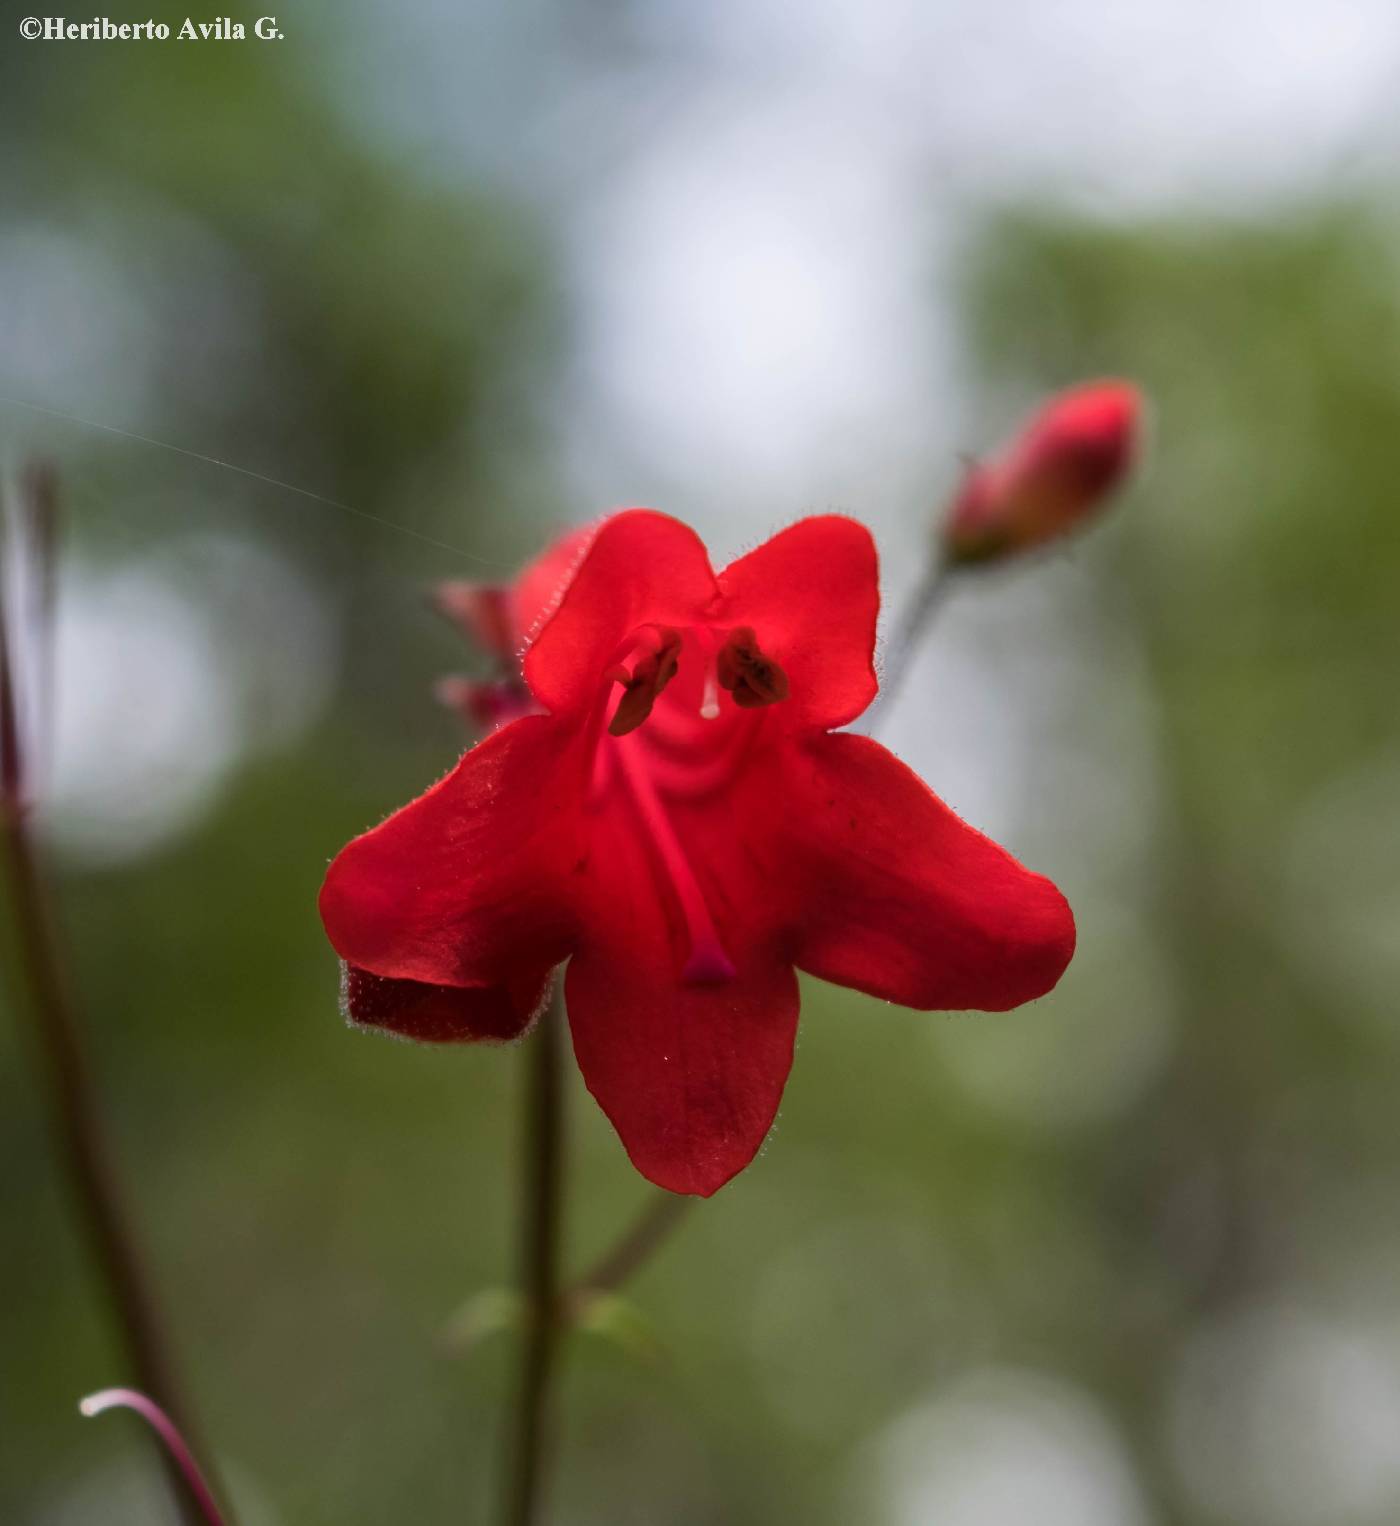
[812,596]
[689,1075]
[538,589]
[903,899]
[442,1014]
[690,1071]
[469,884]
[640,568]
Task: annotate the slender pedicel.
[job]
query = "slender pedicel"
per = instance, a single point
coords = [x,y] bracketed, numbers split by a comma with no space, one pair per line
[81,1144]
[165,1428]
[904,644]
[541,1232]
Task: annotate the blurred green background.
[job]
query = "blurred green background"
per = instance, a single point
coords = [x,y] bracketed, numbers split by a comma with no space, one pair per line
[1128,1256]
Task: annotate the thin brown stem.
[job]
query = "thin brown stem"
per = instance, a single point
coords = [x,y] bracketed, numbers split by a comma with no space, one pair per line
[83,1148]
[11,781]
[39,497]
[539,1272]
[904,643]
[80,1136]
[662,1215]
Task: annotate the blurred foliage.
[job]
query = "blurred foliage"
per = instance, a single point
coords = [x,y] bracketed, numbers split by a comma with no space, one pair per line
[1257,572]
[318,1204]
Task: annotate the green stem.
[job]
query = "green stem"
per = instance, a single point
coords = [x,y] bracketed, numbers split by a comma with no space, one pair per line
[539,1272]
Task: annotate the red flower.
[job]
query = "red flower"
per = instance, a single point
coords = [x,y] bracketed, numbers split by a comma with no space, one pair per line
[682,825]
[1061,466]
[499,621]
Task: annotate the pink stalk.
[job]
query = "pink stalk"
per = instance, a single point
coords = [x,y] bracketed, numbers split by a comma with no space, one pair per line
[164,1427]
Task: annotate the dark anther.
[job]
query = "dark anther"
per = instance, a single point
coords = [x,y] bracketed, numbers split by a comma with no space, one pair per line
[750,677]
[644,683]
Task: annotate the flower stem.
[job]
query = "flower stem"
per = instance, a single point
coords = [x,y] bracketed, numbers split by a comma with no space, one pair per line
[72,1104]
[539,1272]
[82,1144]
[169,1434]
[910,631]
[637,1245]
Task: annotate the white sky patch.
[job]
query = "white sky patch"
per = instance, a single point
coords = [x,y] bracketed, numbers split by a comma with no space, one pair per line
[100,308]
[170,670]
[1283,1417]
[745,306]
[756,197]
[145,720]
[1002,1448]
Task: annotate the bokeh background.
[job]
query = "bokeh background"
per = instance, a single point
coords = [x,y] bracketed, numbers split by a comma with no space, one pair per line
[1128,1257]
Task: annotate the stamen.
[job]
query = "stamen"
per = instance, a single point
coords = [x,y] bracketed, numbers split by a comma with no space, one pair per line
[683,755]
[652,672]
[709,700]
[752,678]
[707,962]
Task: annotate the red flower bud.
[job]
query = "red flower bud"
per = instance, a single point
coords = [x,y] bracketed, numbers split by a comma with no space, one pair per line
[484,703]
[484,614]
[1062,465]
[500,619]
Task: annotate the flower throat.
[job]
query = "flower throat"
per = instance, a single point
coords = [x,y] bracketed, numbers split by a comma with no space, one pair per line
[684,754]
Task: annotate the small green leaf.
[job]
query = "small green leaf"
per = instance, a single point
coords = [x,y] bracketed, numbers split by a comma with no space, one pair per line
[493,1311]
[620,1322]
